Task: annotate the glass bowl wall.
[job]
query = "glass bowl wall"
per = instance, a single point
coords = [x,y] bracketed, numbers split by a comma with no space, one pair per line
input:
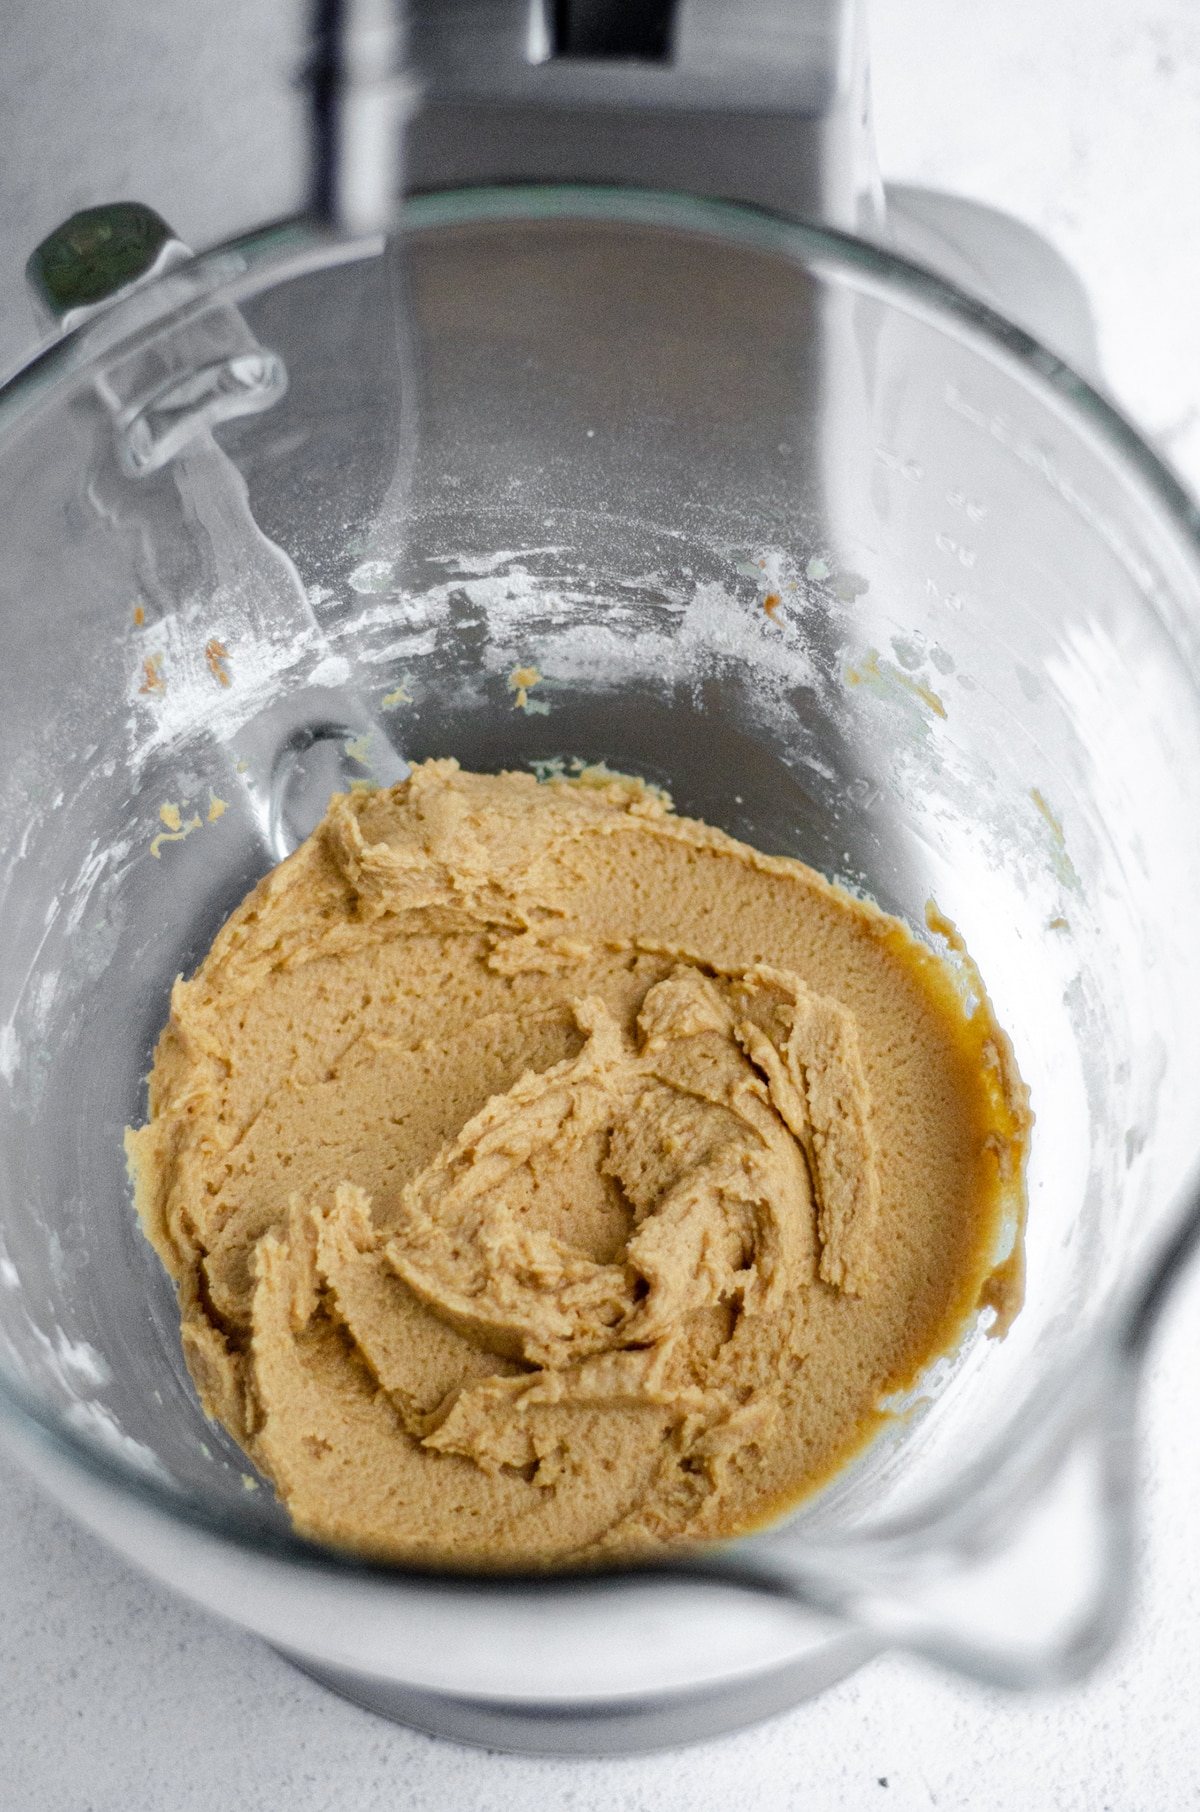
[858,574]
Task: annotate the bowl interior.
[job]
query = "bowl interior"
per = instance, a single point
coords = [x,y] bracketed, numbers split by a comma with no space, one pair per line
[596,437]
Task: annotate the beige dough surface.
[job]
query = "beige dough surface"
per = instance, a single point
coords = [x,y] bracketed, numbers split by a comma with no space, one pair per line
[547,1177]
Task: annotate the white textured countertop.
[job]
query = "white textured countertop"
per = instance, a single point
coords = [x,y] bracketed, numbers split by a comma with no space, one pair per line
[1083,118]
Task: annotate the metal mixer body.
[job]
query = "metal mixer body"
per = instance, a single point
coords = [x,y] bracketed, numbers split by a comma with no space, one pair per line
[766,103]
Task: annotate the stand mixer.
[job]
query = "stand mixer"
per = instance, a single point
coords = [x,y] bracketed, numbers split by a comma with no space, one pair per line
[571,422]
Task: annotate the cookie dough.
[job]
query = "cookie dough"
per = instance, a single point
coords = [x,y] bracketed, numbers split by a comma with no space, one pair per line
[548,1177]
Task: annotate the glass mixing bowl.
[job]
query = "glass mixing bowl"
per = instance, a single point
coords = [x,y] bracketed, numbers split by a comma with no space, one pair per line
[863,576]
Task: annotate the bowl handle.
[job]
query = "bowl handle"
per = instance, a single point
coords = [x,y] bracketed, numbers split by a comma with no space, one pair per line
[164,391]
[1022,1581]
[204,368]
[1023,1577]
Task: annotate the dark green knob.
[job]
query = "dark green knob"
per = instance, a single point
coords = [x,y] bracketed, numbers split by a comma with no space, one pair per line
[96,253]
[177,378]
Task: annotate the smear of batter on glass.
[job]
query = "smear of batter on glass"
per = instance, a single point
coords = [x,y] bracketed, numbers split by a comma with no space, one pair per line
[548,1177]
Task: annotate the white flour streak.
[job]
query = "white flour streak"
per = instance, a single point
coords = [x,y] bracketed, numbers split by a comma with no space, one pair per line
[101,1425]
